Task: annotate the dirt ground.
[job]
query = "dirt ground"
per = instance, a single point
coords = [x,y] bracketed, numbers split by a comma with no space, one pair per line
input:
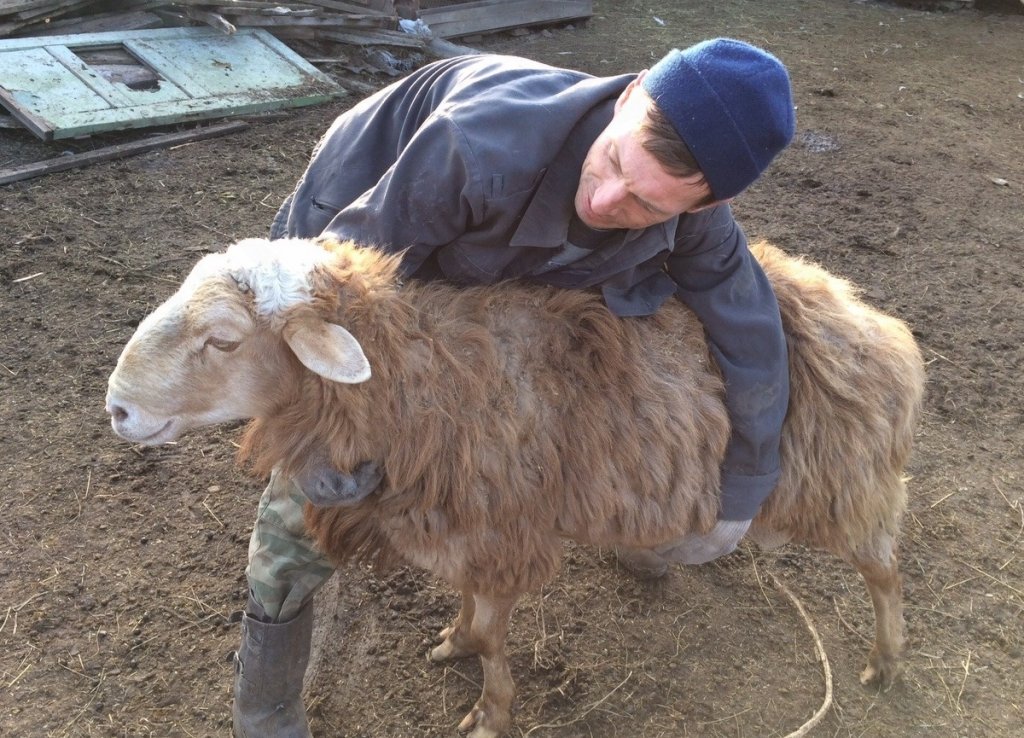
[122,568]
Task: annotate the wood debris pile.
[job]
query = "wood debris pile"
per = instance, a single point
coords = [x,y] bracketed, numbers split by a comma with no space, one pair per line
[360,22]
[71,68]
[285,19]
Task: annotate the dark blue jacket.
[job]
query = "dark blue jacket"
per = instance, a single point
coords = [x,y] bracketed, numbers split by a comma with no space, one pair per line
[471,165]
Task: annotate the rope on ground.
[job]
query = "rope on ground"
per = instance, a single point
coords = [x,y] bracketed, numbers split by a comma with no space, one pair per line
[822,657]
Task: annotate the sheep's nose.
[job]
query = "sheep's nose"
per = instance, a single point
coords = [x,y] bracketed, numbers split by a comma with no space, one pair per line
[118,413]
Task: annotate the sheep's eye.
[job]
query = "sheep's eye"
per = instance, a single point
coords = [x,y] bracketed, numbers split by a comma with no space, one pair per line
[221,344]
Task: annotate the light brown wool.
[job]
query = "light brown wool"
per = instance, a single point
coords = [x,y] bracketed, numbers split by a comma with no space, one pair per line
[510,417]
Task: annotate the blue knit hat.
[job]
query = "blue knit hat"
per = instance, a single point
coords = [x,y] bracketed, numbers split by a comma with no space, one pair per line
[731,104]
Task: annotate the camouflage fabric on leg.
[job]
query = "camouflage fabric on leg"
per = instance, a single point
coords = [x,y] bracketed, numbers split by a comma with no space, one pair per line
[285,568]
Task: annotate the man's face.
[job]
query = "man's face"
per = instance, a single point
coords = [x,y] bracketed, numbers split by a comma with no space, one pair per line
[624,186]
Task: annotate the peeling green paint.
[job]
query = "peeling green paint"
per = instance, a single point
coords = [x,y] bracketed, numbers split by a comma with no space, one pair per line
[200,73]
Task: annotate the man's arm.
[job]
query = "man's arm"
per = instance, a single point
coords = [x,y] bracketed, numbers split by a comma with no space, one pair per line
[429,198]
[422,200]
[722,283]
[395,171]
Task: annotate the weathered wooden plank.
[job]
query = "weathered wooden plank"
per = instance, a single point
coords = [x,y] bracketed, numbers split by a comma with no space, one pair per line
[203,73]
[522,10]
[382,37]
[254,8]
[119,151]
[113,38]
[485,16]
[35,123]
[10,7]
[39,15]
[214,20]
[100,23]
[80,124]
[13,6]
[51,9]
[386,7]
[8,28]
[324,21]
[36,86]
[20,6]
[353,6]
[232,3]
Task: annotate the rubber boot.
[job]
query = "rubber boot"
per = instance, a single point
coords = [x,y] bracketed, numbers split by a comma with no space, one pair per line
[643,563]
[269,667]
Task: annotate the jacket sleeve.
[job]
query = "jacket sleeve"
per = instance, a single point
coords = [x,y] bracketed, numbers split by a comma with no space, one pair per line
[723,284]
[415,203]
[388,173]
[427,199]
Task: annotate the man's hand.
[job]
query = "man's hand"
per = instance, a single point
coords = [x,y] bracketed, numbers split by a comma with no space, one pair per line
[695,548]
[327,487]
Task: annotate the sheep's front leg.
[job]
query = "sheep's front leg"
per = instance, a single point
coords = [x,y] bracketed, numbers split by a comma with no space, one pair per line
[877,563]
[491,716]
[481,628]
[457,641]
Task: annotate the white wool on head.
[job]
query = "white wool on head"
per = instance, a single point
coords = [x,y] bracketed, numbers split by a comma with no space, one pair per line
[276,272]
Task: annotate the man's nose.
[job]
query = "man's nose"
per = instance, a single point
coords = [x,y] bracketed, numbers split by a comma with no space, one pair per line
[608,197]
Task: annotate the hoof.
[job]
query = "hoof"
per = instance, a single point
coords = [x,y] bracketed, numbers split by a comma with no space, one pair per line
[470,720]
[451,647]
[475,723]
[448,651]
[444,652]
[879,674]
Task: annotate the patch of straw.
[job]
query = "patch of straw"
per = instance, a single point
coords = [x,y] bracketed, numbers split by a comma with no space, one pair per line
[822,657]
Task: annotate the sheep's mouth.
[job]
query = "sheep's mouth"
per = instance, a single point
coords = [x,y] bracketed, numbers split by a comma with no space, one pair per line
[158,433]
[161,435]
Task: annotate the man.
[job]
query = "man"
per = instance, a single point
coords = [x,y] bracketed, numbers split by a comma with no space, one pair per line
[486,168]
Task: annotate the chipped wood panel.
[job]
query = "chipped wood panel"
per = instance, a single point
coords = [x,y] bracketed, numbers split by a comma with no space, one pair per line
[201,74]
[485,16]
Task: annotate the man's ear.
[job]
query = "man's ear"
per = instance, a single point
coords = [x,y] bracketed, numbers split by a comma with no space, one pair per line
[327,349]
[624,95]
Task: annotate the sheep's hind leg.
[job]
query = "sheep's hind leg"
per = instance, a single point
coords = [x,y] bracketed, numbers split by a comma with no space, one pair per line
[457,641]
[877,563]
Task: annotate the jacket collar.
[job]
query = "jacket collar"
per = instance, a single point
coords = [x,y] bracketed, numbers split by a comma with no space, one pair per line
[545,223]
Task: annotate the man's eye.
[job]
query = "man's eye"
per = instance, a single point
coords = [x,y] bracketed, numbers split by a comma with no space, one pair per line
[221,344]
[613,158]
[646,206]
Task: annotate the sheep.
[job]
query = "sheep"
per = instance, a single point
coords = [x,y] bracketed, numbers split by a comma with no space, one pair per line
[509,417]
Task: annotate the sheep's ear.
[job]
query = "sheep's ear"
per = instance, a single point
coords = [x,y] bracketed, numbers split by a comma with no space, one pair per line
[327,349]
